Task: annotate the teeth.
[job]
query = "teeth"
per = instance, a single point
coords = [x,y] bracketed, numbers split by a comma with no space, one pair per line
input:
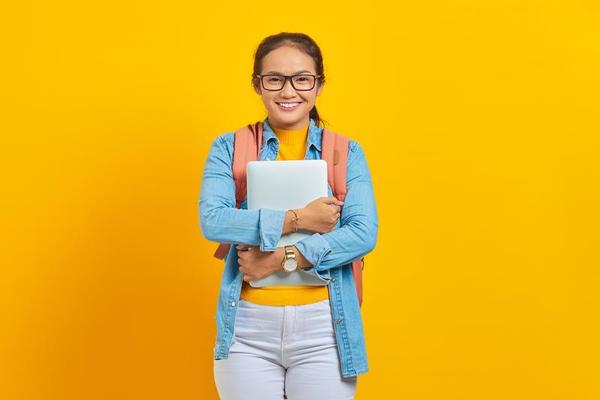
[288,105]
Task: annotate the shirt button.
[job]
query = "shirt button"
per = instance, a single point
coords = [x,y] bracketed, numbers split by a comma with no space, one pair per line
[332,279]
[338,321]
[233,303]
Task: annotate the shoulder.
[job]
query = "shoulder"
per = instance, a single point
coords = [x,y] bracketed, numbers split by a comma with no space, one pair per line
[223,144]
[224,139]
[353,145]
[356,154]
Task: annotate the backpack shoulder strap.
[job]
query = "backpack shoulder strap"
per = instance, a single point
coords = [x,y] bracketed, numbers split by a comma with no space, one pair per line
[335,152]
[246,147]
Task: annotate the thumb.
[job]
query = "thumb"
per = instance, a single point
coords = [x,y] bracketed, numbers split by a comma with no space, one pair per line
[332,200]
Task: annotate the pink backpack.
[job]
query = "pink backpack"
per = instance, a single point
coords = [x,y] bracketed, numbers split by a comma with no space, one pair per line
[247,145]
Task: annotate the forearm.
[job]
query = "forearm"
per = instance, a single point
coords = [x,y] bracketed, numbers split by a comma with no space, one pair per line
[356,234]
[220,219]
[340,246]
[302,261]
[260,227]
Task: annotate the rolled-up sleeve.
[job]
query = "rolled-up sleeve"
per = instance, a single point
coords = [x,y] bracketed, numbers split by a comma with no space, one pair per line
[270,227]
[220,220]
[314,248]
[357,234]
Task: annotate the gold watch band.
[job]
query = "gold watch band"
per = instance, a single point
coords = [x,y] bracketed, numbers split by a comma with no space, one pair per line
[288,253]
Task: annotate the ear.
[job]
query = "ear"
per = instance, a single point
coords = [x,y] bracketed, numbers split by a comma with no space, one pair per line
[319,89]
[256,86]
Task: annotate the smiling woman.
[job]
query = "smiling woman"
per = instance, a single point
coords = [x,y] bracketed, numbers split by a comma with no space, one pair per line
[303,342]
[299,61]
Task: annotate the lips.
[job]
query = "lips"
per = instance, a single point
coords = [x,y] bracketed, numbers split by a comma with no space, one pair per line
[284,108]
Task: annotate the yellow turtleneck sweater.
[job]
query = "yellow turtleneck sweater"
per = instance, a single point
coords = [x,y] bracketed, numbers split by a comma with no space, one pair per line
[292,146]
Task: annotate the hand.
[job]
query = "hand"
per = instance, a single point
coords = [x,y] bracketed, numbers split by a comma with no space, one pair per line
[320,215]
[256,264]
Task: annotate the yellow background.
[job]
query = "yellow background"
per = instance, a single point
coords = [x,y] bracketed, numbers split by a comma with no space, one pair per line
[480,125]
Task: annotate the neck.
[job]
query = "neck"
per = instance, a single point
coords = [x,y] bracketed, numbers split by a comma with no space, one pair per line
[294,126]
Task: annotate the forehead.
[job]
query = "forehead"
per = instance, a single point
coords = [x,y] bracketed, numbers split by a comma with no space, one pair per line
[287,60]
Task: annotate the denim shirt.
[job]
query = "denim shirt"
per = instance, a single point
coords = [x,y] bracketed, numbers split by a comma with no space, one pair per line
[329,253]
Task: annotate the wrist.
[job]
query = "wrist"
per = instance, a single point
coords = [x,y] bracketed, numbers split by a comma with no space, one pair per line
[287,223]
[299,222]
[278,257]
[302,261]
[292,221]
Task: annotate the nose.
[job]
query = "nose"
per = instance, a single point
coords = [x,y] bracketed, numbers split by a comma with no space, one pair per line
[287,89]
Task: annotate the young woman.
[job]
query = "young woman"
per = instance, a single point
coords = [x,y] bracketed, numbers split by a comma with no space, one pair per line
[294,342]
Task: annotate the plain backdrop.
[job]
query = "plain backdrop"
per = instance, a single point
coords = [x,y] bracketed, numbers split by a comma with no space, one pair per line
[479,120]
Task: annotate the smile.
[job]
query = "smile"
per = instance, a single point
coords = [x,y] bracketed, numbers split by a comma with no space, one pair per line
[288,106]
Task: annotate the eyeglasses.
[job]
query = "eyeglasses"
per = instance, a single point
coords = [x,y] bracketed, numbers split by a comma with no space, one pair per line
[277,82]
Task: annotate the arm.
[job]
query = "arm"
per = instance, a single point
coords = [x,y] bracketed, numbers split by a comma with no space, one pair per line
[220,221]
[357,234]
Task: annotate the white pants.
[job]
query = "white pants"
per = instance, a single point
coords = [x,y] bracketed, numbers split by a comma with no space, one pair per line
[282,351]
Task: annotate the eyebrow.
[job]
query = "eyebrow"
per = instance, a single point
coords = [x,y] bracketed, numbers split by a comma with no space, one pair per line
[280,73]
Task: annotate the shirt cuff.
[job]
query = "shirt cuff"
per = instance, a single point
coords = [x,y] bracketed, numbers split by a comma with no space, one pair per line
[325,276]
[270,228]
[314,248]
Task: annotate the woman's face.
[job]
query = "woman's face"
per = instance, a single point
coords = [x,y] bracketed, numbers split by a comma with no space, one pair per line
[288,60]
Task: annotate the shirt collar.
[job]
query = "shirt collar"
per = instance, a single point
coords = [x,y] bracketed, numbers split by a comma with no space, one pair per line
[314,133]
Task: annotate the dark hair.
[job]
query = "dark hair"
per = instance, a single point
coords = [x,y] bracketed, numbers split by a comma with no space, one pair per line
[300,41]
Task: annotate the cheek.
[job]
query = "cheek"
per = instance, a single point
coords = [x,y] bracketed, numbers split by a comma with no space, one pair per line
[310,103]
[267,97]
[268,102]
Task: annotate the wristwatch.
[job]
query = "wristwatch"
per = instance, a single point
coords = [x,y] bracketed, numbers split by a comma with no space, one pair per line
[289,262]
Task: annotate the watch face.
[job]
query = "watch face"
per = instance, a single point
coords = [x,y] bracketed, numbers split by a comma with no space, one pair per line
[290,264]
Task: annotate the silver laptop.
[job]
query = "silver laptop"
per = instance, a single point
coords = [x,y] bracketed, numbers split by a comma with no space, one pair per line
[285,184]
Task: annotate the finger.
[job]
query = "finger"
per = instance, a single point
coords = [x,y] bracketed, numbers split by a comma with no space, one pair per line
[330,200]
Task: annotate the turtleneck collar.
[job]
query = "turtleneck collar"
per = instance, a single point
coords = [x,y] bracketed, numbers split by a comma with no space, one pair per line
[291,136]
[314,133]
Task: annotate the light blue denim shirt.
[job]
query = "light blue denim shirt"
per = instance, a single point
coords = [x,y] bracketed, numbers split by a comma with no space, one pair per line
[330,253]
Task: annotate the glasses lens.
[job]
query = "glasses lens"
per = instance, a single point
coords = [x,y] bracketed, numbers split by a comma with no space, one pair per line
[273,82]
[303,82]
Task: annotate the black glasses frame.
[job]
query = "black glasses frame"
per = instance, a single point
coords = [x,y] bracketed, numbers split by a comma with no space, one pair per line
[286,78]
